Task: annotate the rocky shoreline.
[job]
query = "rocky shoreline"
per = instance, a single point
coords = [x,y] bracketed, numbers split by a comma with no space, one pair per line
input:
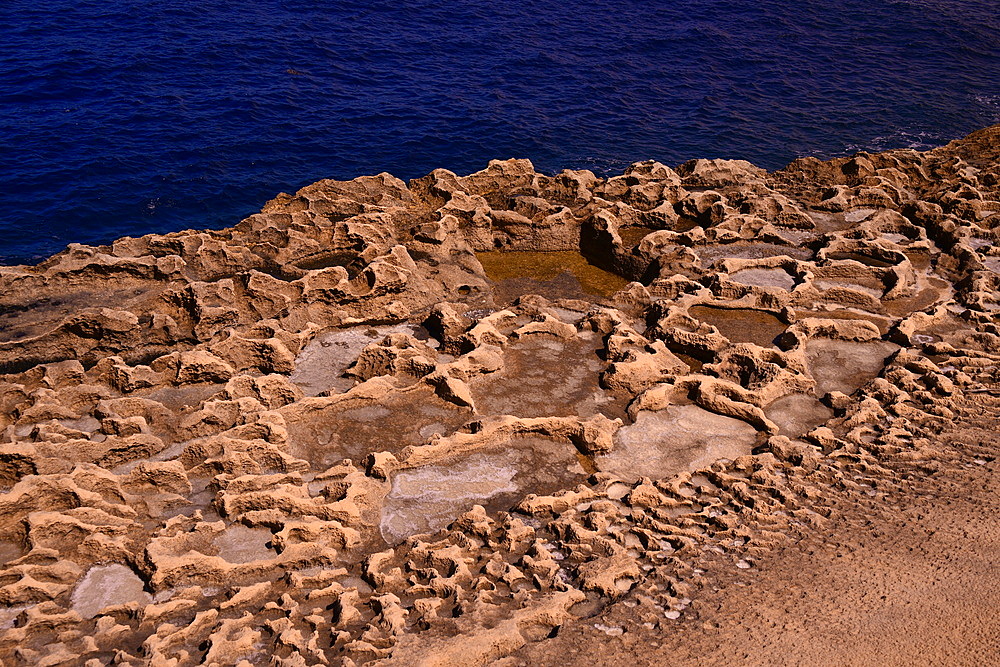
[440,422]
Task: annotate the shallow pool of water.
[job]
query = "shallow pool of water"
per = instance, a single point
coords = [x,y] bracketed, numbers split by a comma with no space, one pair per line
[325,260]
[825,284]
[631,236]
[554,275]
[10,551]
[867,260]
[710,254]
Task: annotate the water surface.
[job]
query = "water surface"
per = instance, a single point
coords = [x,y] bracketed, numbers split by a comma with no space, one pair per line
[144,116]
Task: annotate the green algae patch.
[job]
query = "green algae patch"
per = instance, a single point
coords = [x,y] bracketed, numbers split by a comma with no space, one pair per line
[551,267]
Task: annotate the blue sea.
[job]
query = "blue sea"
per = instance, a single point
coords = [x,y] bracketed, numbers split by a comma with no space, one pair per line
[127,117]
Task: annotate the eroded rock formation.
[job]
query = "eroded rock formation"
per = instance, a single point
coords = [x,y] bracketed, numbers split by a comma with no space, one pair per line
[432,422]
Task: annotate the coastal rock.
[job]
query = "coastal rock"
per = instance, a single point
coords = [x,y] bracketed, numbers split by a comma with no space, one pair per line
[442,422]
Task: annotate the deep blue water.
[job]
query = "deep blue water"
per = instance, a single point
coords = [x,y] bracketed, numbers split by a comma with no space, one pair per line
[127,117]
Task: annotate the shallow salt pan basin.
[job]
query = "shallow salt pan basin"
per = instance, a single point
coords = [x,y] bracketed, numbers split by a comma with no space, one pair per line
[797,414]
[867,260]
[428,498]
[554,275]
[321,364]
[858,214]
[326,437]
[10,551]
[844,284]
[741,325]
[242,544]
[547,376]
[678,438]
[776,278]
[107,586]
[840,365]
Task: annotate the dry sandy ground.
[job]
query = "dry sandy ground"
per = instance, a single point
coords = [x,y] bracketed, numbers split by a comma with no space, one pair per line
[912,580]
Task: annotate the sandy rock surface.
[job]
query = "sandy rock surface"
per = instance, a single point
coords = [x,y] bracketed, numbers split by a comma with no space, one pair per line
[708,414]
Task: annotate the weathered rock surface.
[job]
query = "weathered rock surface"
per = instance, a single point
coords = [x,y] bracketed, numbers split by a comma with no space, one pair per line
[435,422]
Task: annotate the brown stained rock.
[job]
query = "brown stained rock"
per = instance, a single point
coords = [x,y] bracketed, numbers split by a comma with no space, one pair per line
[272,391]
[201,366]
[453,390]
[638,370]
[611,576]
[265,355]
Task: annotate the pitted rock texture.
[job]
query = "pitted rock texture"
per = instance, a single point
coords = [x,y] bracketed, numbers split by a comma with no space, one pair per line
[441,422]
